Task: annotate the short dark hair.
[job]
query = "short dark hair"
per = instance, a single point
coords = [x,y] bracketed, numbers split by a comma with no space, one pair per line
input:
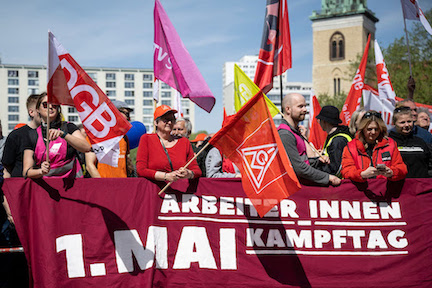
[34,98]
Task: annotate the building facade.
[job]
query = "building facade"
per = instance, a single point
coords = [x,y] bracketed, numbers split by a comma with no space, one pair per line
[340,32]
[133,86]
[248,64]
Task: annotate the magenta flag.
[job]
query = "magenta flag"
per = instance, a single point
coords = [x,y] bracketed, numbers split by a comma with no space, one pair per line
[173,64]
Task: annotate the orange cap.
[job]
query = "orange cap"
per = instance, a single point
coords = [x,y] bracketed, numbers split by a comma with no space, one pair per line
[162,110]
[19,125]
[200,137]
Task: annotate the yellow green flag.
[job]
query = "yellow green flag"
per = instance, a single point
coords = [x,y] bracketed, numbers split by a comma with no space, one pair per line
[245,88]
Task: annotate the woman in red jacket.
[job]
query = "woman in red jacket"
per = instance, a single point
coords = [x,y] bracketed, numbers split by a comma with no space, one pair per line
[160,156]
[371,154]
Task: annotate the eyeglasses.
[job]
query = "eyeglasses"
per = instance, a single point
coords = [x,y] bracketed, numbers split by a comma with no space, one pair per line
[167,119]
[45,105]
[369,114]
[403,109]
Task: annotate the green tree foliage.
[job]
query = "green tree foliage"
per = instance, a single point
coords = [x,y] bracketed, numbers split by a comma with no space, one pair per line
[396,59]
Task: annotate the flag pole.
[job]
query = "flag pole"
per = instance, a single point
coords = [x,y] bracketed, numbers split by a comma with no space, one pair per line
[281,92]
[407,41]
[48,103]
[187,164]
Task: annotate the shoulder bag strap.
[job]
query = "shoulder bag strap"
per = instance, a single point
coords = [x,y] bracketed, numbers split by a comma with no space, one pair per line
[166,152]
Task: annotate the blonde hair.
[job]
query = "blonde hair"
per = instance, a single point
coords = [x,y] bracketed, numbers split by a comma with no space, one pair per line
[352,125]
[368,120]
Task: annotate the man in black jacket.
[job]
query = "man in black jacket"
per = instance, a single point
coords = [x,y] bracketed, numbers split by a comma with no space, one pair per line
[338,137]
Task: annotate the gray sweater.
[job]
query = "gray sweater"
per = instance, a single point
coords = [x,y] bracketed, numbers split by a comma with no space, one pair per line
[213,164]
[301,169]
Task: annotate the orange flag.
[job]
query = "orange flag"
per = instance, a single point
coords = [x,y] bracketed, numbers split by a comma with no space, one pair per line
[250,139]
[317,136]
[352,102]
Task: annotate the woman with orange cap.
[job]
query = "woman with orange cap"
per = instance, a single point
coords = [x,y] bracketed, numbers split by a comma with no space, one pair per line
[161,156]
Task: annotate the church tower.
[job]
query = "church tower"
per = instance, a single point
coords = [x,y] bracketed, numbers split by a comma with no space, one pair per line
[340,32]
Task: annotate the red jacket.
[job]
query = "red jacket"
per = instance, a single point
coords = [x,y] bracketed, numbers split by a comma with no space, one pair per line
[355,159]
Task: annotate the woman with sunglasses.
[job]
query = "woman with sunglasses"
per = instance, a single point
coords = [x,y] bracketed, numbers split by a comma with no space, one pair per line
[64,140]
[161,156]
[371,154]
[414,150]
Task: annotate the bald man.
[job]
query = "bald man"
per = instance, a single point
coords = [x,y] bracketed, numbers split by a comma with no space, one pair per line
[294,111]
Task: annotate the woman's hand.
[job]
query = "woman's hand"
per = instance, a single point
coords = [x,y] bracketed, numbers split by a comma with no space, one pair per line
[172,176]
[387,172]
[54,134]
[185,173]
[45,168]
[369,172]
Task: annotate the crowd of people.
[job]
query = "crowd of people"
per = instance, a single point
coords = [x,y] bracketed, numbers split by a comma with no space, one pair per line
[361,151]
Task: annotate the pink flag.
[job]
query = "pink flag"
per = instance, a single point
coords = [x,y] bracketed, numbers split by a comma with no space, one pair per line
[275,53]
[412,11]
[385,87]
[69,84]
[174,65]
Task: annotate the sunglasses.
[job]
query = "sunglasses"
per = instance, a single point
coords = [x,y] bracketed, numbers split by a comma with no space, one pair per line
[403,109]
[125,112]
[369,114]
[45,105]
[167,119]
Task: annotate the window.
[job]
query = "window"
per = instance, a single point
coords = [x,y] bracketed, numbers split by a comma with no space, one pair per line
[130,102]
[33,91]
[148,120]
[147,102]
[11,126]
[147,111]
[13,117]
[12,73]
[165,86]
[165,94]
[72,110]
[337,86]
[13,99]
[187,111]
[110,76]
[147,85]
[93,76]
[129,93]
[13,109]
[13,82]
[111,93]
[148,77]
[33,82]
[129,85]
[130,77]
[166,102]
[73,118]
[32,74]
[337,47]
[110,84]
[147,94]
[13,91]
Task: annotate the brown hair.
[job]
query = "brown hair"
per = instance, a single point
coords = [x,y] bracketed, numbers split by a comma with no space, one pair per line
[365,123]
[34,98]
[398,112]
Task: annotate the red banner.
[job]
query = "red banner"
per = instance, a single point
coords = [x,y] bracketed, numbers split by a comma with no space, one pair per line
[119,233]
[352,102]
[275,52]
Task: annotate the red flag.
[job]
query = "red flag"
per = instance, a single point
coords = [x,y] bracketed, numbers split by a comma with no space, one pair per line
[317,136]
[173,64]
[352,102]
[250,139]
[275,53]
[69,84]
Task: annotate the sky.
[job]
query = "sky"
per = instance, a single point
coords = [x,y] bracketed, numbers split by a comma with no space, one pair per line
[120,34]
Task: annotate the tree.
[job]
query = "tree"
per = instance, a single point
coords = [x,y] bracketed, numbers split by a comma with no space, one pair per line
[396,59]
[337,101]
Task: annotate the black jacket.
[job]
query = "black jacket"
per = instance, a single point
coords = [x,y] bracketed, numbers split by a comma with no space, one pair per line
[335,149]
[415,153]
